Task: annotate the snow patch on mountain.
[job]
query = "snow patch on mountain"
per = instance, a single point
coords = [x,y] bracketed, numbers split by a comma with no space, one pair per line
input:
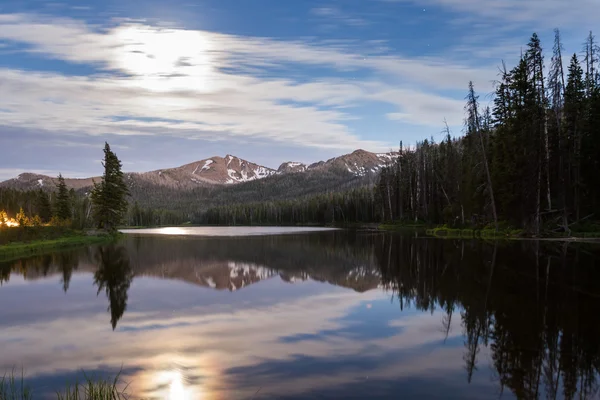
[291,167]
[362,272]
[207,164]
[245,270]
[211,282]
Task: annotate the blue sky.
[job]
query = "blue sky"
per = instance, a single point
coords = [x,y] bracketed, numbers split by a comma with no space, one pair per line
[167,83]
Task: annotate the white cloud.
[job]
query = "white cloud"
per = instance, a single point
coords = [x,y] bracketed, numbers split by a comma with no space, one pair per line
[334,14]
[203,85]
[421,108]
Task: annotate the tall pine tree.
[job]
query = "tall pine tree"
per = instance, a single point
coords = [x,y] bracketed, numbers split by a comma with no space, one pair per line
[109,197]
[574,111]
[44,209]
[62,209]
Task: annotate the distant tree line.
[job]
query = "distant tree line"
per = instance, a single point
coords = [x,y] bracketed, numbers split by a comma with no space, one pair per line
[289,186]
[532,160]
[355,205]
[146,216]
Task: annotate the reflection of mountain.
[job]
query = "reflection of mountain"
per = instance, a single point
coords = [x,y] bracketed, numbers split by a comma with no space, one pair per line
[220,275]
[234,263]
[231,263]
[232,275]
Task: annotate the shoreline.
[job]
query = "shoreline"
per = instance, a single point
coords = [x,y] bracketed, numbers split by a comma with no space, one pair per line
[438,231]
[443,232]
[17,250]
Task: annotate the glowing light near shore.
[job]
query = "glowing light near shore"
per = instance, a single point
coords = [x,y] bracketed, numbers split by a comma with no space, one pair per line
[11,222]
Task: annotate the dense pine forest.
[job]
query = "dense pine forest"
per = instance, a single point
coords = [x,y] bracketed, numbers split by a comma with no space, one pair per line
[530,161]
[356,205]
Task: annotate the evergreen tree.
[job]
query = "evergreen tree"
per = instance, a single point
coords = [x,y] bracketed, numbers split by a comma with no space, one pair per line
[63,200]
[556,88]
[474,127]
[43,206]
[535,62]
[109,197]
[574,108]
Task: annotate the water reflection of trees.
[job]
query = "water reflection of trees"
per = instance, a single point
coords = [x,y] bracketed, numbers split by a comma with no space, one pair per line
[38,267]
[114,276]
[536,308]
[113,272]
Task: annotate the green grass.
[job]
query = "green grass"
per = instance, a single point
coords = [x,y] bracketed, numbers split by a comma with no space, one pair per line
[36,247]
[486,233]
[404,226]
[444,231]
[13,388]
[94,389]
[590,234]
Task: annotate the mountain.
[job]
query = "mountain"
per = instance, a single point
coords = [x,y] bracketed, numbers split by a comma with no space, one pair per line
[291,166]
[29,181]
[224,180]
[214,171]
[359,162]
[217,171]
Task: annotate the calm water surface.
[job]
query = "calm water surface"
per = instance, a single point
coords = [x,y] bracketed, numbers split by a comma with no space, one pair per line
[226,230]
[321,315]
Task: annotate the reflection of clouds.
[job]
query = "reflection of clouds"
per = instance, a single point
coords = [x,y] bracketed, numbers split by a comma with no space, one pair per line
[232,352]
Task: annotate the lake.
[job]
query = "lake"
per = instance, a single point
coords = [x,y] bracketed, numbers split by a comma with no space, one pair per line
[272,313]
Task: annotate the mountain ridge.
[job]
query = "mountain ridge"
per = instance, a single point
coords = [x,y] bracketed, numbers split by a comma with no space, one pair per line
[216,171]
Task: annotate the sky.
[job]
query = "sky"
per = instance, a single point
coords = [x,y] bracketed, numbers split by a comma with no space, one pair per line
[169,83]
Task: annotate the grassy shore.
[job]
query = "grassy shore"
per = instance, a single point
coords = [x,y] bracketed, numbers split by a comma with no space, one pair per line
[485,233]
[23,242]
[16,388]
[444,232]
